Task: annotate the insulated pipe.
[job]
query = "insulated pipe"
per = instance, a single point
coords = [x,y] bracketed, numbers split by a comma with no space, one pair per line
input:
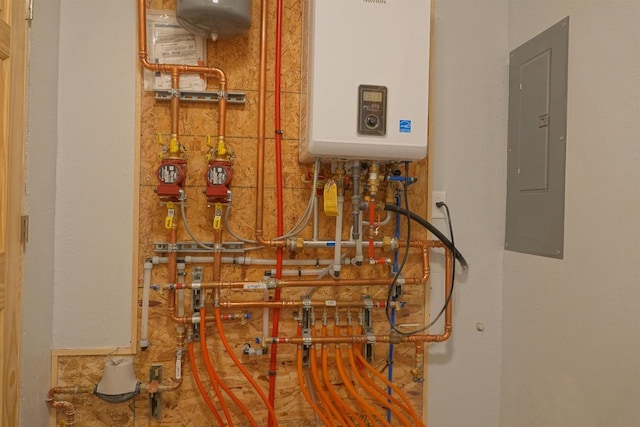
[216,382]
[389,399]
[379,396]
[144,320]
[305,391]
[331,243]
[203,392]
[296,304]
[369,410]
[372,204]
[337,262]
[242,369]
[265,315]
[217,262]
[350,415]
[407,406]
[326,399]
[356,233]
[300,272]
[242,260]
[290,284]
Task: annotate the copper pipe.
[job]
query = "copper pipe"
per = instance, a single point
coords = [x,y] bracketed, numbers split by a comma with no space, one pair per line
[425,246]
[155,387]
[262,111]
[175,102]
[262,103]
[293,283]
[186,320]
[169,68]
[448,314]
[66,407]
[176,70]
[172,274]
[371,412]
[295,304]
[217,254]
[394,339]
[418,370]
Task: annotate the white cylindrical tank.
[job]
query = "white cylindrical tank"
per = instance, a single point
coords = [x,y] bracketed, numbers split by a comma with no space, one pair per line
[218,19]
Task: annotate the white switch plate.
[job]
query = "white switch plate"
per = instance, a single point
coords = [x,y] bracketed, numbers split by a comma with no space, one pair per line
[438,196]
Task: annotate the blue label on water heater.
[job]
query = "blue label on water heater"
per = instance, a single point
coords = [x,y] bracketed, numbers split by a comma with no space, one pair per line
[405,126]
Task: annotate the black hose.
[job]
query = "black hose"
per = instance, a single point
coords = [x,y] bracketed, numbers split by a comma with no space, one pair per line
[426,224]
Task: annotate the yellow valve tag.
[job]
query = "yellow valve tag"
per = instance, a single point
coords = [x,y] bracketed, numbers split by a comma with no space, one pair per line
[209,144]
[168,221]
[217,216]
[331,198]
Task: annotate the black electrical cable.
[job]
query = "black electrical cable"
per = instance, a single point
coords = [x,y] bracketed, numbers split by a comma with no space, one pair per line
[426,224]
[453,270]
[448,243]
[449,296]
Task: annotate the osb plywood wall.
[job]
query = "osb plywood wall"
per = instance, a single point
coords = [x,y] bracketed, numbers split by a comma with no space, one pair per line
[239,59]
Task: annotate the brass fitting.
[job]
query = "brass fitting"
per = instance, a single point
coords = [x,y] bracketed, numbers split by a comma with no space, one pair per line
[374,179]
[386,243]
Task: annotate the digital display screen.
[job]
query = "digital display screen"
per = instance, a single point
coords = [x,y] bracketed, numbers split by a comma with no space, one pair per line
[370,96]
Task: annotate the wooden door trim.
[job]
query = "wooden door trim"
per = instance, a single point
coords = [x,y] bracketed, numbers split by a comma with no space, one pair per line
[16,133]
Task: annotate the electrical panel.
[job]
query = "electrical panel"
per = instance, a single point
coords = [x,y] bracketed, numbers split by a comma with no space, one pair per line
[537,144]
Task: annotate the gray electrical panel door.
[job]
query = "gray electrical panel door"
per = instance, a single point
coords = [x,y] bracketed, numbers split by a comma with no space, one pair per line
[537,144]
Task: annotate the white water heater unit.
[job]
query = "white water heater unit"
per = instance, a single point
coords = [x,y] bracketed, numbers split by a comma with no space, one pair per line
[366,92]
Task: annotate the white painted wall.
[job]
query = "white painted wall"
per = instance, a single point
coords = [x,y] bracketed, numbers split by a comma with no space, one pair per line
[37,293]
[469,152]
[94,199]
[571,328]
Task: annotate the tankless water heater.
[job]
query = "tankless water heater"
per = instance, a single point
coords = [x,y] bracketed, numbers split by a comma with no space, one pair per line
[366,92]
